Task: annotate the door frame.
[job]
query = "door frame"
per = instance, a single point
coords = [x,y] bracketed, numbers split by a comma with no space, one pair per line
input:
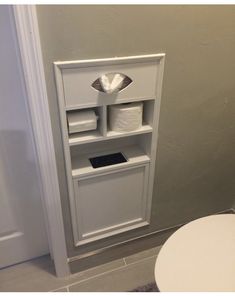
[27,31]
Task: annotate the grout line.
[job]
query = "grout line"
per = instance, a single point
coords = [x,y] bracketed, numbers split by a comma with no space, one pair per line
[109,271]
[106,272]
[124,261]
[63,287]
[97,275]
[91,277]
[143,259]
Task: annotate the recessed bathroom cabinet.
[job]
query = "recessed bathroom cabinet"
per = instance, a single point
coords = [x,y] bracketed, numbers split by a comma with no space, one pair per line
[110,173]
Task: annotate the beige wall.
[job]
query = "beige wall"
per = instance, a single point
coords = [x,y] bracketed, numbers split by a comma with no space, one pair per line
[196,149]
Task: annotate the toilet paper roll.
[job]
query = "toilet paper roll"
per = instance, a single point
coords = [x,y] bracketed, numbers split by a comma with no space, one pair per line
[125,117]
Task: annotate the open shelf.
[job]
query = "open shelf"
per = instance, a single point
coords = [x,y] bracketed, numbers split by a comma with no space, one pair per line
[81,165]
[90,135]
[85,137]
[103,131]
[95,136]
[145,128]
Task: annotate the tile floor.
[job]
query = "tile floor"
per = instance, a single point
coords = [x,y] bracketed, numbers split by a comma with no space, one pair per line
[117,276]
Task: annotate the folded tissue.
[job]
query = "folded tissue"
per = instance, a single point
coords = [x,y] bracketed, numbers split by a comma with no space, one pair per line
[111,85]
[126,117]
[82,120]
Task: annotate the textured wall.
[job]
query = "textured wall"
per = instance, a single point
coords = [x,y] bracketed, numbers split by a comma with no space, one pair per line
[195,157]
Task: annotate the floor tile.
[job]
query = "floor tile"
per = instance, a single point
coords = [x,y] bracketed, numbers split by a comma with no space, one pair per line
[141,255]
[61,290]
[38,275]
[120,280]
[86,274]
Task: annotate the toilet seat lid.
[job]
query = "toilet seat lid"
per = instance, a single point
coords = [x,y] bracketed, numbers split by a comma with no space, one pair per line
[199,257]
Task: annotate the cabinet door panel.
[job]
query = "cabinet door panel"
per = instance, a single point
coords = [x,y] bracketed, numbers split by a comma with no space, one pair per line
[111,203]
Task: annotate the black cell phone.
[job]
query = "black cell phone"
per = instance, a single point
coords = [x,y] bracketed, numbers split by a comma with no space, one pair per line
[109,159]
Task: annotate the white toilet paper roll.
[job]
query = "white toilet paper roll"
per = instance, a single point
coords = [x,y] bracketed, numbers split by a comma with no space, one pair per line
[126,117]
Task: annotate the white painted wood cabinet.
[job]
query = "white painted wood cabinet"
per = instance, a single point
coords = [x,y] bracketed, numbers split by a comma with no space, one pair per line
[85,96]
[107,203]
[109,199]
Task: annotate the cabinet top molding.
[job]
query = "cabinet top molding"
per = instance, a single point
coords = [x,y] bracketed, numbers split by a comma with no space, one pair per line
[108,61]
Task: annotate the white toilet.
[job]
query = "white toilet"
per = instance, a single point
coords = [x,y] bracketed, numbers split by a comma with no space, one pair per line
[199,257]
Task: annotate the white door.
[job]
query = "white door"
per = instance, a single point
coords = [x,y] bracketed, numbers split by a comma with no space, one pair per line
[22,229]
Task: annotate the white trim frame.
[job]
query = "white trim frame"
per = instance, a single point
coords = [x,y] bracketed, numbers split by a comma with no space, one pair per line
[58,68]
[32,63]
